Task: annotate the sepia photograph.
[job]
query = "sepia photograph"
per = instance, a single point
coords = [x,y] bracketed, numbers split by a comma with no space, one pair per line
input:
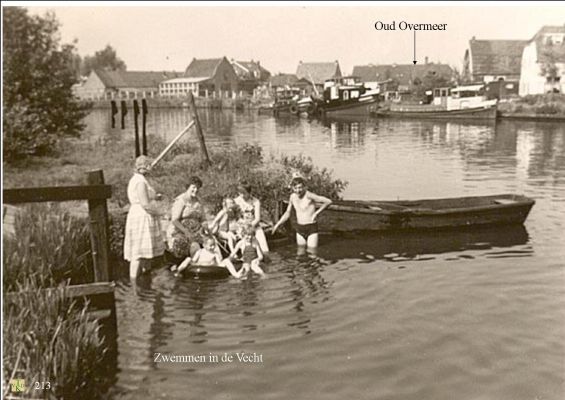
[283,200]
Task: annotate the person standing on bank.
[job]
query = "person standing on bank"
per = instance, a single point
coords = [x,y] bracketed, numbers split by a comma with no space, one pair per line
[143,238]
[304,204]
[247,203]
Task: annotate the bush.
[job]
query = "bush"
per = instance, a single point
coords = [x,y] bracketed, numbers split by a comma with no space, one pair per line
[270,177]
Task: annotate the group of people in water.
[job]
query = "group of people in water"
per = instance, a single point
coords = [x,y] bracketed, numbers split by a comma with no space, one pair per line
[193,239]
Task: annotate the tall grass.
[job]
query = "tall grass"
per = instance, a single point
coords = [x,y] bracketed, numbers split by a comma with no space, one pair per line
[47,338]
[51,340]
[50,247]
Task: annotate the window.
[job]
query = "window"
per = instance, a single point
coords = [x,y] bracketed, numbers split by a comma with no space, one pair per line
[345,95]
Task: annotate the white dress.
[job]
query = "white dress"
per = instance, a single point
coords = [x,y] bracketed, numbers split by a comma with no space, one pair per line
[143,237]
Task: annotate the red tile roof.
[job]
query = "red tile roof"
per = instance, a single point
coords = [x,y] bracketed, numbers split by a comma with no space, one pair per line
[547,51]
[496,57]
[404,74]
[134,79]
[318,71]
[250,69]
[202,68]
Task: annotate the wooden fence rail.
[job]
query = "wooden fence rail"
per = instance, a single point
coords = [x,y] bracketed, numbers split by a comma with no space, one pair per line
[99,294]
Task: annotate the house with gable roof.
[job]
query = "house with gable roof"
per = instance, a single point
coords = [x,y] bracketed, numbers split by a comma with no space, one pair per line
[404,75]
[398,81]
[543,62]
[290,83]
[493,60]
[211,77]
[495,63]
[251,75]
[108,85]
[318,72]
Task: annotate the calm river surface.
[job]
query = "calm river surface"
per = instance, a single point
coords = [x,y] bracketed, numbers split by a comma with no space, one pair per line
[460,315]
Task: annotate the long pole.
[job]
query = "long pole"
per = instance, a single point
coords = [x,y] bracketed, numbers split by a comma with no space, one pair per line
[198,128]
[172,143]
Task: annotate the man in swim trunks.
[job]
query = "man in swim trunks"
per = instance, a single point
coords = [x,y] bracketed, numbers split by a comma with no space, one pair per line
[304,204]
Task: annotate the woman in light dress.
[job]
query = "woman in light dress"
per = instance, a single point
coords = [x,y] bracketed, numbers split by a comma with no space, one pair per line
[143,238]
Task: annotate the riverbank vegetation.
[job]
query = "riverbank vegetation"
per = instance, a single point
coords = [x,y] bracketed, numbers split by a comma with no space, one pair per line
[551,104]
[269,175]
[47,337]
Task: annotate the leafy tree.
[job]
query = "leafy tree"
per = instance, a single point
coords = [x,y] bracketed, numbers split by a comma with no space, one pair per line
[427,82]
[103,59]
[39,106]
[549,70]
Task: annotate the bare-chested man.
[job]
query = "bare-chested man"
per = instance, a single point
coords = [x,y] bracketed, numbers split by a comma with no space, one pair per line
[304,203]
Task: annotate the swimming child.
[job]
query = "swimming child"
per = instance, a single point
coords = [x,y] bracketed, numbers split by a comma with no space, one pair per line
[208,255]
[251,253]
[246,221]
[225,223]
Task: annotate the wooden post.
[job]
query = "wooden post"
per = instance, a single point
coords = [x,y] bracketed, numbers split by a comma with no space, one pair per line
[124,110]
[144,112]
[114,112]
[99,231]
[199,133]
[136,127]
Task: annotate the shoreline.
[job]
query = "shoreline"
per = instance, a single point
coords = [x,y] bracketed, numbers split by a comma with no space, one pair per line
[530,117]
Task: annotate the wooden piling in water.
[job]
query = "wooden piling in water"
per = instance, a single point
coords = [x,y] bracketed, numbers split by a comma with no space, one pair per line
[192,108]
[136,127]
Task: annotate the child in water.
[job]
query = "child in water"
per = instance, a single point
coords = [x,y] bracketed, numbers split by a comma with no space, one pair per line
[251,253]
[207,256]
[225,223]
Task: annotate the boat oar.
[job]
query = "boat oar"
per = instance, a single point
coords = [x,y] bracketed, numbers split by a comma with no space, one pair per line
[171,144]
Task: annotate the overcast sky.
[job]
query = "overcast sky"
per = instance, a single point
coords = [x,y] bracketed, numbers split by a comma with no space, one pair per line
[167,38]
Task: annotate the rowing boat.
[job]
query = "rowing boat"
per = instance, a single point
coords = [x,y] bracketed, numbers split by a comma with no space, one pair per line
[460,212]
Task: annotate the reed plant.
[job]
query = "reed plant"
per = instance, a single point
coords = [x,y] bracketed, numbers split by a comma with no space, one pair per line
[50,247]
[48,338]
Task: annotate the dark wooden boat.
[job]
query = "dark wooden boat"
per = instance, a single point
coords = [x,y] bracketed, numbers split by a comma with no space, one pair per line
[348,96]
[461,212]
[421,112]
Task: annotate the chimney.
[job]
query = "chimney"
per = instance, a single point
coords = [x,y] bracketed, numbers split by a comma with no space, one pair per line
[426,60]
[473,39]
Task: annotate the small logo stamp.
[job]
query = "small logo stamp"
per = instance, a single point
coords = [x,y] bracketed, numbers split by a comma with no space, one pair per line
[18,385]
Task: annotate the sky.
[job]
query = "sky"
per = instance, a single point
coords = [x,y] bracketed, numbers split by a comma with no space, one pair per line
[154,38]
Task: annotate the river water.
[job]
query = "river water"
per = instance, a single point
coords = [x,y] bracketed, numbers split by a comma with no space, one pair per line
[458,315]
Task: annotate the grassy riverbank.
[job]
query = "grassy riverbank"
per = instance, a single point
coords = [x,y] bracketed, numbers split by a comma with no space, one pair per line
[547,105]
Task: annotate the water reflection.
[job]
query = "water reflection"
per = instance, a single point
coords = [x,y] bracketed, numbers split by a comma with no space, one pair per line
[372,298]
[421,246]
